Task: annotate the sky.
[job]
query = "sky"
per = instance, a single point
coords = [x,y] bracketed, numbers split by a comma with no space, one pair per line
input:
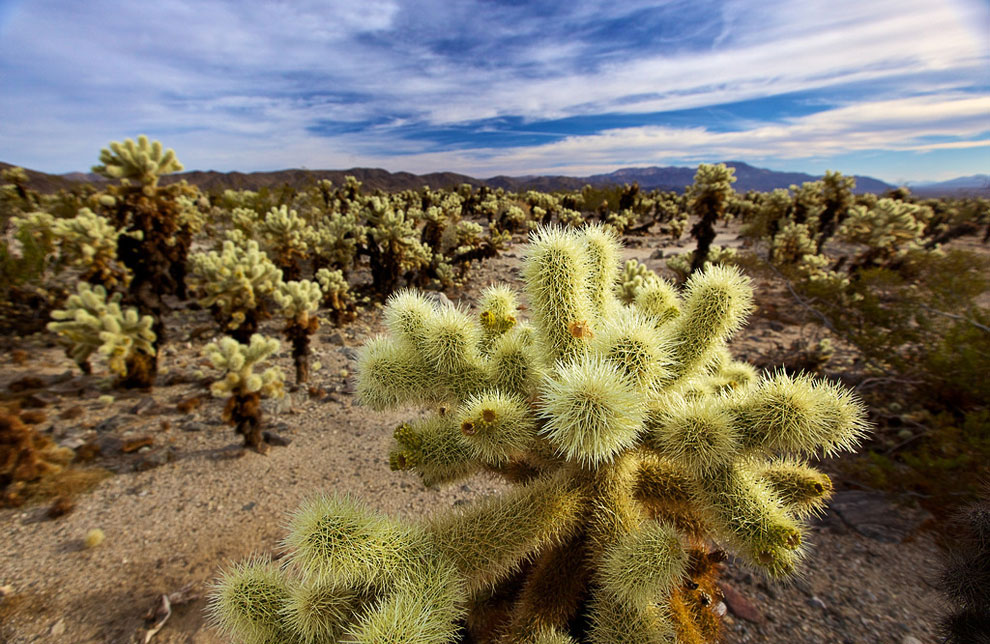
[895,89]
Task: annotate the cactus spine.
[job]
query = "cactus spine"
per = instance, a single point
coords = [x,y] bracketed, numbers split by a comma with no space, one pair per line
[633,441]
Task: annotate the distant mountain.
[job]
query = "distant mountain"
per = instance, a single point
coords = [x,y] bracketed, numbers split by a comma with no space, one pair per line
[975,184]
[664,178]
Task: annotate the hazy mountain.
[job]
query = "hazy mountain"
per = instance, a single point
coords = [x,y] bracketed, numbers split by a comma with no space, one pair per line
[665,178]
[975,184]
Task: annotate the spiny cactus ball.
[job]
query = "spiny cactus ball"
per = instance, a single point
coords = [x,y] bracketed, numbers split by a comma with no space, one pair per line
[632,442]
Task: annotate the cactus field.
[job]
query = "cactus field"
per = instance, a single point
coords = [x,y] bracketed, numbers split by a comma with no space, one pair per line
[469,415]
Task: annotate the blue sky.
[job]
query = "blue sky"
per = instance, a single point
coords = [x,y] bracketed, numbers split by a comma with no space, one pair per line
[896,89]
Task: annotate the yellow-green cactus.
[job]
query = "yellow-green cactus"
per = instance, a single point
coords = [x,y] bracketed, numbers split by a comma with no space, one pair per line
[142,161]
[634,277]
[89,242]
[708,196]
[299,302]
[681,264]
[285,235]
[243,387]
[336,294]
[234,284]
[630,453]
[90,322]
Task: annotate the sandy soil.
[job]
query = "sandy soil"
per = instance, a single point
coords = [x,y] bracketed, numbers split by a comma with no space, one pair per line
[201,502]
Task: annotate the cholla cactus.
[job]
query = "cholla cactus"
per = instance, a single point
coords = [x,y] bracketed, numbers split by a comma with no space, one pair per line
[791,244]
[285,234]
[393,245]
[235,283]
[889,230]
[632,280]
[709,196]
[91,323]
[627,466]
[89,242]
[143,161]
[336,295]
[681,264]
[336,240]
[244,387]
[299,301]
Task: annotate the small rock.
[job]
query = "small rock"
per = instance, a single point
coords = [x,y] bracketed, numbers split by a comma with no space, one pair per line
[775,326]
[350,353]
[58,628]
[37,400]
[144,405]
[657,254]
[910,639]
[873,516]
[248,506]
[740,606]
[337,338]
[192,426]
[25,383]
[815,602]
[155,458]
[109,424]
[276,439]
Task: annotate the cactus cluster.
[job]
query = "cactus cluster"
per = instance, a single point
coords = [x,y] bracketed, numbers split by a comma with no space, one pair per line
[91,322]
[708,199]
[142,161]
[235,283]
[633,441]
[682,264]
[243,387]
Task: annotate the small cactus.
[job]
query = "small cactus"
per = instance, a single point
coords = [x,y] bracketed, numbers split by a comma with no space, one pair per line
[299,301]
[245,388]
[90,322]
[142,161]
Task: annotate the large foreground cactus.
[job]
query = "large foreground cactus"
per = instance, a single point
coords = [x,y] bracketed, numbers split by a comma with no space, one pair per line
[637,449]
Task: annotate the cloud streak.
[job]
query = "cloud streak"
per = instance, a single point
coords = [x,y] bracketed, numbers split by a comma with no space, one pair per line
[488,86]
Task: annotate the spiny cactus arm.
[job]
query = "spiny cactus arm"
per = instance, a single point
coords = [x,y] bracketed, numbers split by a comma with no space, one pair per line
[81,321]
[633,345]
[499,313]
[322,612]
[718,300]
[615,621]
[801,488]
[555,271]
[658,300]
[515,365]
[336,541]
[551,596]
[435,449]
[796,414]
[424,608]
[592,412]
[602,250]
[489,539]
[496,427]
[143,161]
[391,373]
[746,513]
[246,603]
[644,566]
[699,434]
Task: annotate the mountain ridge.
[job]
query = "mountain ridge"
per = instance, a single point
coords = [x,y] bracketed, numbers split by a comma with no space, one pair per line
[674,178]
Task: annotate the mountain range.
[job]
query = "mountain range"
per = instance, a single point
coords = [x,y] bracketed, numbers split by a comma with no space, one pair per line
[664,178]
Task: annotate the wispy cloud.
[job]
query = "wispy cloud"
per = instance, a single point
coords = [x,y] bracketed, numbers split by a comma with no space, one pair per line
[491,86]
